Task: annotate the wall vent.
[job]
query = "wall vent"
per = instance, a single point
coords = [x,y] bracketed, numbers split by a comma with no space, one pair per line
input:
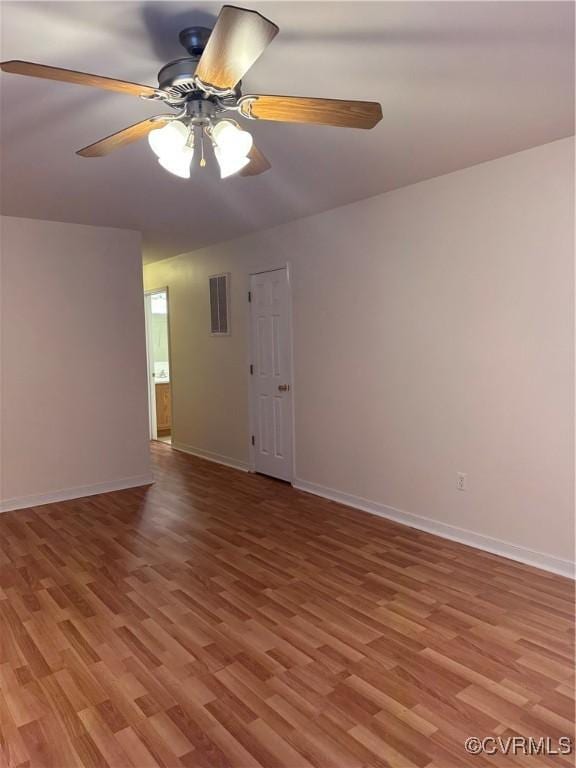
[219,304]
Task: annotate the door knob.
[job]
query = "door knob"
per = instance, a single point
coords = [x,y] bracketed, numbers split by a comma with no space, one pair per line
[283,387]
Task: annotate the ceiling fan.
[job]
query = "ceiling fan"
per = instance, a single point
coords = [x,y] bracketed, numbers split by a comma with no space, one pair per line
[203,89]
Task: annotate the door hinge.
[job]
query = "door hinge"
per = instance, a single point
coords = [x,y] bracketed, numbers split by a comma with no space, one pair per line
[253,440]
[251,370]
[249,296]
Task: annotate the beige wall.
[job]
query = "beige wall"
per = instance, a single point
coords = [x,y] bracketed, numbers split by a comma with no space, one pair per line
[73,385]
[433,334]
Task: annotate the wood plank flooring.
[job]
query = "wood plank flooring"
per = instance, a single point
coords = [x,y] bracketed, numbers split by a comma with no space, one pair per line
[223,619]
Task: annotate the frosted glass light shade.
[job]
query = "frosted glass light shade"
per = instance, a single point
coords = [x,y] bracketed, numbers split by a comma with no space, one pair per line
[178,162]
[172,137]
[171,144]
[231,147]
[231,139]
[229,163]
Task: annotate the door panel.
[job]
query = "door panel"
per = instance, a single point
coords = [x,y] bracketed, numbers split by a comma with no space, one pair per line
[277,422]
[271,381]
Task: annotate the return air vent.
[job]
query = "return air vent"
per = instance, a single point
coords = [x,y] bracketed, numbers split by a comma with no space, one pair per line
[219,304]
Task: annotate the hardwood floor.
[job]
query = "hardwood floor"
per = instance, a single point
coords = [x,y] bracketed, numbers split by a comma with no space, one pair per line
[223,619]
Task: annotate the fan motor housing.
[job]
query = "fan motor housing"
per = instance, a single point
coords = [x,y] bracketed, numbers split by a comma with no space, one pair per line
[178,75]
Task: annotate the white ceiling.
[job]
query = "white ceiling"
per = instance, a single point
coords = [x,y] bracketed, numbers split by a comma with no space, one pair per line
[459,83]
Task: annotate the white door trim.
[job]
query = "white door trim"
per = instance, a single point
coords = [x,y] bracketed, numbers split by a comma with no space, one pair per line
[250,347]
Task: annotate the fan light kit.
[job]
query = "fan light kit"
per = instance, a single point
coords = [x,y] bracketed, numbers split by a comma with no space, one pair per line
[202,89]
[174,146]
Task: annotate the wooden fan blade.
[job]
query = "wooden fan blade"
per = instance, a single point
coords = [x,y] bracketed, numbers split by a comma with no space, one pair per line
[121,138]
[79,78]
[237,40]
[258,163]
[296,109]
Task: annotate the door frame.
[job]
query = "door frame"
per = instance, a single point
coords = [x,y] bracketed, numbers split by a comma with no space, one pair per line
[152,428]
[250,358]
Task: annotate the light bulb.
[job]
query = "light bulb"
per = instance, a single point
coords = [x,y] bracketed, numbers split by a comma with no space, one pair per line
[178,162]
[170,138]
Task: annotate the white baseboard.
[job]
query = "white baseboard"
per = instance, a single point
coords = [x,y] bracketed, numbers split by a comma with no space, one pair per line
[217,458]
[446,531]
[78,492]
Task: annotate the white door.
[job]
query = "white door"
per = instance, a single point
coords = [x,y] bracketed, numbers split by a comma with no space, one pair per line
[271,369]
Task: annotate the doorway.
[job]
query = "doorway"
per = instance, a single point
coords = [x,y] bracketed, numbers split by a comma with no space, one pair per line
[271,374]
[159,370]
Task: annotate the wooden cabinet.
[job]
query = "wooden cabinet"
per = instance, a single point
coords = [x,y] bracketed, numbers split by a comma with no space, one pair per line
[163,409]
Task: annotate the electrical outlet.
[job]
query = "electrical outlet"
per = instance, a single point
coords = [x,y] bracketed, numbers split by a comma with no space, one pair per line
[462,481]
